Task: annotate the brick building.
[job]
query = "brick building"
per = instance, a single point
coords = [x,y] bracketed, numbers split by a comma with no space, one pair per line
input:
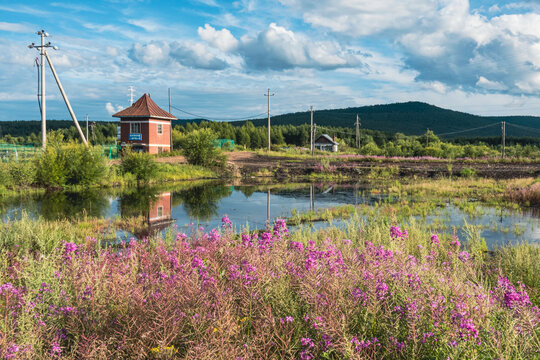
[145,126]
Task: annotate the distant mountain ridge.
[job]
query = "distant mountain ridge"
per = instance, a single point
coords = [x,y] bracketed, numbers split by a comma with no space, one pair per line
[410,118]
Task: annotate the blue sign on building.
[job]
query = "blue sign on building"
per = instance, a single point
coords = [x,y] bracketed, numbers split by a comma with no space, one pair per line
[135,136]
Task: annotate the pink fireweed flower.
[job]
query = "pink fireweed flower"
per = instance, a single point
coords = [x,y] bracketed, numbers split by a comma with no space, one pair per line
[307,342]
[455,242]
[435,240]
[463,256]
[226,222]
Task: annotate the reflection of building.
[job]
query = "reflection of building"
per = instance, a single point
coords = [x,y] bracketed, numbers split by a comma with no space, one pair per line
[158,216]
[145,126]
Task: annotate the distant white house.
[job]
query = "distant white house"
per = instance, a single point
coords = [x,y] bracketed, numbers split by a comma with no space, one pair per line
[326,143]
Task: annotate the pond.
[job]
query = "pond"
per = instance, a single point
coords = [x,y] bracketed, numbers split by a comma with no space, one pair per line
[249,205]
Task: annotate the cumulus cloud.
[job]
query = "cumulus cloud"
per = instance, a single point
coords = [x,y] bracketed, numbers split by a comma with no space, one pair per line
[153,53]
[222,39]
[364,17]
[278,48]
[113,109]
[190,54]
[444,41]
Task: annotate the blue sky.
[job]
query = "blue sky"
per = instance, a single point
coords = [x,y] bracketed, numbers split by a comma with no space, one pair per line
[219,57]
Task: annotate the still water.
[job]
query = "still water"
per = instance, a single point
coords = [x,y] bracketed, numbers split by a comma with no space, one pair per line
[247,205]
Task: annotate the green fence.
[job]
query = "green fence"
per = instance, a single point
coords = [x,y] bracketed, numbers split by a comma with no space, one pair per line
[12,152]
[225,143]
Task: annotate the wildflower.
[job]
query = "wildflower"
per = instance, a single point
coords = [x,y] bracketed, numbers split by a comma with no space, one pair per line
[463,256]
[395,232]
[435,240]
[455,242]
[56,350]
[307,342]
[226,222]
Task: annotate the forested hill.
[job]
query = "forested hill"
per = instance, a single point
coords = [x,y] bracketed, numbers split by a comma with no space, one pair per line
[411,118]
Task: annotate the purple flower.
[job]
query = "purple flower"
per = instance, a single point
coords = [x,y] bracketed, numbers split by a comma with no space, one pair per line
[435,240]
[463,256]
[307,342]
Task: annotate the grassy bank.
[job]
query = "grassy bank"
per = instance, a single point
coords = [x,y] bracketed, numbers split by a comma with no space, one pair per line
[373,290]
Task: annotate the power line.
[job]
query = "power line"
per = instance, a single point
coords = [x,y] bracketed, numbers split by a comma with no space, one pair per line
[523,127]
[217,119]
[467,130]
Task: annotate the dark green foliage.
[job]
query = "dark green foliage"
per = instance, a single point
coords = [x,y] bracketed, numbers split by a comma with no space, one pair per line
[199,148]
[139,164]
[72,164]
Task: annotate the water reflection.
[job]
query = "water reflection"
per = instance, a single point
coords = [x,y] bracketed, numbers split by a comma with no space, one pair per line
[201,202]
[154,208]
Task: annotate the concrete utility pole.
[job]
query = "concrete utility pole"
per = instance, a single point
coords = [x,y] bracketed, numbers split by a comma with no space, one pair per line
[170,130]
[131,92]
[357,131]
[66,99]
[312,135]
[41,49]
[503,128]
[268,95]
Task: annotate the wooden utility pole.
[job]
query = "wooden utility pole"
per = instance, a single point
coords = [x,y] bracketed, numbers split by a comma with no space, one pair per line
[312,134]
[86,127]
[268,95]
[357,131]
[503,128]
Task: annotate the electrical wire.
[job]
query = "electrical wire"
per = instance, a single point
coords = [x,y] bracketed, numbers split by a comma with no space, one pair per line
[467,130]
[523,127]
[36,62]
[218,119]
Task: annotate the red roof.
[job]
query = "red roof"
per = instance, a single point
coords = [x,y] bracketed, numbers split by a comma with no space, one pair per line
[145,107]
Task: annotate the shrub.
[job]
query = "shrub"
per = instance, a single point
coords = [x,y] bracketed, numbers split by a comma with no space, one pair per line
[467,173]
[199,148]
[141,165]
[22,173]
[72,164]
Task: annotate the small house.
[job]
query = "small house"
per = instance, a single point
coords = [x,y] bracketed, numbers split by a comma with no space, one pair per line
[145,126]
[326,143]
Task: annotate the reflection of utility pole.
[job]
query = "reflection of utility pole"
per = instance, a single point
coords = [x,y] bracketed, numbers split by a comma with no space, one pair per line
[356,194]
[268,95]
[503,128]
[268,210]
[311,197]
[357,131]
[312,134]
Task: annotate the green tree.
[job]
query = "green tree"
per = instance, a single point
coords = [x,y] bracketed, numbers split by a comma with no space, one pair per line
[199,148]
[139,164]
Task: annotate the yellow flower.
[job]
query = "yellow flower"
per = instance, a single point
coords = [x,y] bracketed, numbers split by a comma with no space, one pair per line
[155,350]
[216,329]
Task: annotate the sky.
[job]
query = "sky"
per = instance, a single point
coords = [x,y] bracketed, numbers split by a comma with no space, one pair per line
[220,57]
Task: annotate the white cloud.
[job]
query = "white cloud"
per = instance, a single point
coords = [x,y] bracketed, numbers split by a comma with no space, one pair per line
[13,27]
[490,85]
[146,24]
[363,17]
[279,48]
[153,53]
[113,109]
[222,39]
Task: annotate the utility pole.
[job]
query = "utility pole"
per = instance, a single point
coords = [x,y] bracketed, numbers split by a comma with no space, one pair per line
[86,126]
[131,91]
[312,135]
[357,131]
[94,132]
[41,49]
[170,130]
[268,95]
[503,128]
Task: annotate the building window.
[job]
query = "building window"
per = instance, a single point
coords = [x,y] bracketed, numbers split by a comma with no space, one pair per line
[135,128]
[160,129]
[160,211]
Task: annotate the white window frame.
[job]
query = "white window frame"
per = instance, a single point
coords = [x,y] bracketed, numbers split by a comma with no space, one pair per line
[160,211]
[134,126]
[160,129]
